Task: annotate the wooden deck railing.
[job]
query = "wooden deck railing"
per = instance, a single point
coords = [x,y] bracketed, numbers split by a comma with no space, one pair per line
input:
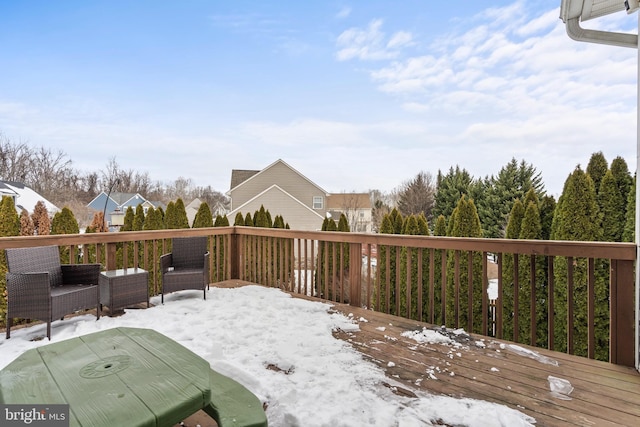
[576,297]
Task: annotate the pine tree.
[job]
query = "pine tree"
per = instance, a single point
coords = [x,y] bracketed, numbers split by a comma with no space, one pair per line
[387,276]
[629,233]
[596,168]
[26,224]
[465,223]
[239,220]
[546,209]
[624,179]
[578,218]
[41,220]
[203,217]
[440,229]
[531,229]
[509,271]
[9,226]
[512,182]
[449,189]
[138,219]
[64,223]
[182,221]
[248,221]
[612,207]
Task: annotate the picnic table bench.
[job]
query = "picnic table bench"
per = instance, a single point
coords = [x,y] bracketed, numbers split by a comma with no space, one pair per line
[127,376]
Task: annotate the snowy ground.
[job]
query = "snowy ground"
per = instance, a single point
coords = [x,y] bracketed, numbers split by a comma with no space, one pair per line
[282,349]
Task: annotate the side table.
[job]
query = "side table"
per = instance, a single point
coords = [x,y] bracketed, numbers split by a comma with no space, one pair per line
[123,287]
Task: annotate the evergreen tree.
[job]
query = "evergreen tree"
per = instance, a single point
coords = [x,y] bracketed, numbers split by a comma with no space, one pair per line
[612,207]
[248,221]
[138,219]
[9,226]
[387,288]
[578,218]
[239,220]
[547,209]
[449,189]
[9,219]
[182,221]
[203,217]
[440,229]
[26,224]
[624,179]
[221,221]
[629,233]
[41,220]
[466,223]
[64,223]
[509,271]
[170,216]
[531,229]
[512,182]
[596,168]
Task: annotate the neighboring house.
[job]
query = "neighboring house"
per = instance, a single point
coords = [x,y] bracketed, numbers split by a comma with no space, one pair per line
[355,206]
[192,210]
[121,201]
[284,191]
[25,198]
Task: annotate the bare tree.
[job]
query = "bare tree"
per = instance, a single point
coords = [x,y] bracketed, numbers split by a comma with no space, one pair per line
[417,195]
[15,159]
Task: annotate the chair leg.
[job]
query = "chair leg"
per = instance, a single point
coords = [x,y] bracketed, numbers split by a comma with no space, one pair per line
[8,327]
[205,294]
[49,330]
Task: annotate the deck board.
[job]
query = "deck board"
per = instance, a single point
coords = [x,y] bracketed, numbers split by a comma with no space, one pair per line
[604,394]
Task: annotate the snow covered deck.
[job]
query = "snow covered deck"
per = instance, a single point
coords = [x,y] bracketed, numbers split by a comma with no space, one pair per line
[498,371]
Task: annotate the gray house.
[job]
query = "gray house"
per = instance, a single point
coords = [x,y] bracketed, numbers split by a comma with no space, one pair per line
[282,190]
[304,205]
[120,201]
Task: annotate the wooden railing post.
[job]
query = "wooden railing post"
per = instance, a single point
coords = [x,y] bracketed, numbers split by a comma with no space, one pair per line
[355,274]
[622,305]
[234,256]
[111,256]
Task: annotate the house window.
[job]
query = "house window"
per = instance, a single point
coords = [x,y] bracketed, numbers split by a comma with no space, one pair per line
[318,202]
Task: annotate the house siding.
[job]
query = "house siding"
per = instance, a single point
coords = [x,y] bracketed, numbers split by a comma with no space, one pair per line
[278,202]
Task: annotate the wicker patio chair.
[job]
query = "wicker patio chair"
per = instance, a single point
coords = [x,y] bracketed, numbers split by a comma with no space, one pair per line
[39,287]
[186,266]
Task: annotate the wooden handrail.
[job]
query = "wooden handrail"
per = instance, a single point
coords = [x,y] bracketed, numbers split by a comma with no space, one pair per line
[406,280]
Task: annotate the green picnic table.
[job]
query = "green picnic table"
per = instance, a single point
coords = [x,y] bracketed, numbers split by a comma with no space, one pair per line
[127,376]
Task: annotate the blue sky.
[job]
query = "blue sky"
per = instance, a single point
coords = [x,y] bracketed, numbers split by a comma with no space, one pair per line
[354,95]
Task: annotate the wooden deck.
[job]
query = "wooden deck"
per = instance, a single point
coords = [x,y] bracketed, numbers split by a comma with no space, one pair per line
[492,370]
[498,371]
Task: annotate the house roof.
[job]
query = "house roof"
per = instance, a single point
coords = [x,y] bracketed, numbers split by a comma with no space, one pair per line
[238,176]
[248,175]
[25,197]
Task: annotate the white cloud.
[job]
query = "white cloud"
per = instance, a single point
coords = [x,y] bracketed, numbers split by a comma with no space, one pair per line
[369,43]
[344,12]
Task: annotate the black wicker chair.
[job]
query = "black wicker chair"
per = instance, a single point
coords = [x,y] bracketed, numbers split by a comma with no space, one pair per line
[186,266]
[39,287]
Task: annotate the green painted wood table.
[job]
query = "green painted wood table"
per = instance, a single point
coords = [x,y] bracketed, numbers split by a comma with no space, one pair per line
[118,377]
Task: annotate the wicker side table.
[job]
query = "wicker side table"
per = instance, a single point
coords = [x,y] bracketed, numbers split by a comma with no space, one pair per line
[123,288]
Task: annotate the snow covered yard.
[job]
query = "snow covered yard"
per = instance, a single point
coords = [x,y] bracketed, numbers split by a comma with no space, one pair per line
[316,364]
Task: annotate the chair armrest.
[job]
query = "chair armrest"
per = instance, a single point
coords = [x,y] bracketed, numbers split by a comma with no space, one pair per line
[166,261]
[28,288]
[206,266]
[80,274]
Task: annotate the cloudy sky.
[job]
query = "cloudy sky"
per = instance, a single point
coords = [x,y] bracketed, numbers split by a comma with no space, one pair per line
[355,95]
